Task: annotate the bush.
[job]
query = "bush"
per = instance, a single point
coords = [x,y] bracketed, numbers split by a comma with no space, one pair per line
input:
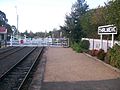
[101,54]
[114,56]
[80,47]
[85,44]
[76,47]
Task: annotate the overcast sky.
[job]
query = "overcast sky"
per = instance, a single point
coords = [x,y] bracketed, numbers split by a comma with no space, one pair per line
[40,15]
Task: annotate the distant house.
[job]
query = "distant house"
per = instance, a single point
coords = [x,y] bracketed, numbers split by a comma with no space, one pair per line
[57,34]
[3,36]
[3,23]
[3,32]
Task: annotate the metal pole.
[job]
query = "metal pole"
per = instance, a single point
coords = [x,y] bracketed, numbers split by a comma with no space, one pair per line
[17,23]
[11,41]
[107,44]
[101,42]
[112,40]
[68,42]
[17,19]
[93,44]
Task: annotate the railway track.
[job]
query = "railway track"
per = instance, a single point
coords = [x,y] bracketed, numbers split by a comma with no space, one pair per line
[2,50]
[10,51]
[15,77]
[9,61]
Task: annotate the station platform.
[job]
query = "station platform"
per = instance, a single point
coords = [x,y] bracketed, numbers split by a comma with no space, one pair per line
[68,70]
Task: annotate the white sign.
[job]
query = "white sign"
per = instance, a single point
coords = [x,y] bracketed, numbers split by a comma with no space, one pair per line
[108,29]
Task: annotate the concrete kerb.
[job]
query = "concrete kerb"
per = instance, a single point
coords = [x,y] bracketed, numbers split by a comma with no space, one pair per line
[113,68]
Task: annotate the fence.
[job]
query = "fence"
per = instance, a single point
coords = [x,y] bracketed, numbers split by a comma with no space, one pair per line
[3,43]
[51,42]
[95,44]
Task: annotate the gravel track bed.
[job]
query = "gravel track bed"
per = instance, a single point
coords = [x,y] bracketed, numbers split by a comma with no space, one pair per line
[7,62]
[5,49]
[9,52]
[15,77]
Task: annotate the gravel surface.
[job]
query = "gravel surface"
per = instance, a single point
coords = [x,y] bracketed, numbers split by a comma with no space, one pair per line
[17,75]
[67,70]
[8,62]
[5,49]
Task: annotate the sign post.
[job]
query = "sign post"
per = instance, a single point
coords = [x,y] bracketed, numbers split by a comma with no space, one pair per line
[112,40]
[11,40]
[101,42]
[105,30]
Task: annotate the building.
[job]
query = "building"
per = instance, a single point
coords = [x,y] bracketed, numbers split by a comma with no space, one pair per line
[3,35]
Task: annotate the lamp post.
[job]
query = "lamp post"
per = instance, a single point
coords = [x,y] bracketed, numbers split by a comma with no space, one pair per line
[17,20]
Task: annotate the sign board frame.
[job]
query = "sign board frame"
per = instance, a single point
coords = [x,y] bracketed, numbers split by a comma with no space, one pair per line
[107,29]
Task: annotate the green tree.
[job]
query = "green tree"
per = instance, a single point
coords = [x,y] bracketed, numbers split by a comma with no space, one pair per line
[72,22]
[31,34]
[9,29]
[113,8]
[39,35]
[65,31]
[26,33]
[92,19]
[14,29]
[3,19]
[86,24]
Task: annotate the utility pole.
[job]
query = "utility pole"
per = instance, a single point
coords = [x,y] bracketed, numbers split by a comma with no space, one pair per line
[17,20]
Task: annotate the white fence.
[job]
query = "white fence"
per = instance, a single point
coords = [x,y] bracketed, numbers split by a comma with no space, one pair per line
[53,42]
[95,43]
[60,42]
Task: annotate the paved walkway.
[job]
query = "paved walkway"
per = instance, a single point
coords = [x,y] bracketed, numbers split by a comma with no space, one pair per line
[67,70]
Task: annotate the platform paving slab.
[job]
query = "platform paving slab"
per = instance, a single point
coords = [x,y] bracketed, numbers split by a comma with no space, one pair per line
[68,70]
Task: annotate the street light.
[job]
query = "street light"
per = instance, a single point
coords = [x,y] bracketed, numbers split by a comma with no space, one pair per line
[17,19]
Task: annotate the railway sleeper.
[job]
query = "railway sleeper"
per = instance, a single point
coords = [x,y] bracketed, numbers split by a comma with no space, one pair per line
[18,74]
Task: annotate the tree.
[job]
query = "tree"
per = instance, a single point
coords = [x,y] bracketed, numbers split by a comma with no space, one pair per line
[65,31]
[3,23]
[31,34]
[113,8]
[14,29]
[92,19]
[73,20]
[9,29]
[39,35]
[50,34]
[3,19]
[86,24]
[26,33]
[81,22]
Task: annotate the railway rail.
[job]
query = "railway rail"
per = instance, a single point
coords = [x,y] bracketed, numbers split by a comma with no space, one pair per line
[9,61]
[10,51]
[15,77]
[5,49]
